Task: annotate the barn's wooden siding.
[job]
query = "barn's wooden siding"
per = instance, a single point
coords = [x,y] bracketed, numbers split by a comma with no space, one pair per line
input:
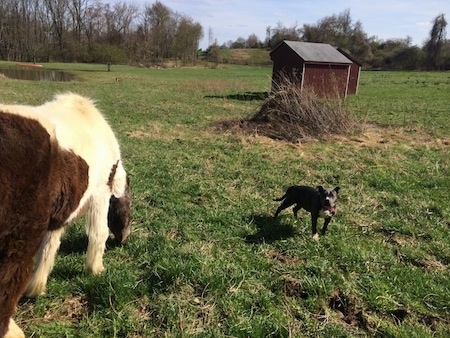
[327,80]
[319,67]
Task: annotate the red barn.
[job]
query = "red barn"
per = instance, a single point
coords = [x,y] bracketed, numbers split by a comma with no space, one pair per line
[316,66]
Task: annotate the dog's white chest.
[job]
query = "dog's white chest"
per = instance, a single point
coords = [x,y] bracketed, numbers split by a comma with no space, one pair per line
[324,213]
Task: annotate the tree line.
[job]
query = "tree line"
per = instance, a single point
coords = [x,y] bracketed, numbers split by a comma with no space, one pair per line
[340,30]
[94,31]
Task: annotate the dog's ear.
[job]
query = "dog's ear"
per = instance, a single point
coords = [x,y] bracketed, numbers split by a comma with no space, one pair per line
[320,188]
[337,189]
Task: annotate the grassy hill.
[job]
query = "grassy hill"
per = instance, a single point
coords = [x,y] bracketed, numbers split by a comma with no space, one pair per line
[246,56]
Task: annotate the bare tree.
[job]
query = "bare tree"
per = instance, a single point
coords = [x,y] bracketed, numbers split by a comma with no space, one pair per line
[280,33]
[76,9]
[210,37]
[268,35]
[57,11]
[93,24]
[252,41]
[359,44]
[19,29]
[89,30]
[239,43]
[334,29]
[162,25]
[142,39]
[339,30]
[187,39]
[214,54]
[433,47]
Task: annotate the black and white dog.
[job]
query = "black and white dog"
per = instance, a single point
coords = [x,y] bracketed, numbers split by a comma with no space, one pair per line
[320,202]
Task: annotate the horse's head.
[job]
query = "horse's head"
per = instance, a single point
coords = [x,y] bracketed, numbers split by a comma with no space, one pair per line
[119,215]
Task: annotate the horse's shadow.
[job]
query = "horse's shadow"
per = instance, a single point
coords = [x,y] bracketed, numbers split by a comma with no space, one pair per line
[270,229]
[78,243]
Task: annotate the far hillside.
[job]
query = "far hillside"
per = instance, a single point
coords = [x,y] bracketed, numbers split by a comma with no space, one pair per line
[245,56]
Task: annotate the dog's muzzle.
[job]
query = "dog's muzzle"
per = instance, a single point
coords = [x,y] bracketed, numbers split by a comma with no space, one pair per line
[327,212]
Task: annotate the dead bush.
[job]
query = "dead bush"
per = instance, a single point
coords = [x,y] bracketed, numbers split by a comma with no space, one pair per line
[292,113]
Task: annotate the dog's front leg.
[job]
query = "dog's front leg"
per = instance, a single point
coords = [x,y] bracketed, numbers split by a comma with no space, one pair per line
[325,225]
[314,218]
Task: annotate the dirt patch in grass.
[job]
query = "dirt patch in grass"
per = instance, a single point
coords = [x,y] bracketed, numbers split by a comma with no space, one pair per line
[399,315]
[293,288]
[345,306]
[281,257]
[70,310]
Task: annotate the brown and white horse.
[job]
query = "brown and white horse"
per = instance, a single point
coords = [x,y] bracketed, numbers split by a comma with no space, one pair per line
[58,161]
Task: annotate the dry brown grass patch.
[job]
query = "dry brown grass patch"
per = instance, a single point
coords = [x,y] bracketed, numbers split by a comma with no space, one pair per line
[372,136]
[281,257]
[70,310]
[158,131]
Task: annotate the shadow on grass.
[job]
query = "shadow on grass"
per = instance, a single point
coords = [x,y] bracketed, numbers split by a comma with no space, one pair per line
[78,243]
[269,230]
[66,272]
[247,96]
[73,244]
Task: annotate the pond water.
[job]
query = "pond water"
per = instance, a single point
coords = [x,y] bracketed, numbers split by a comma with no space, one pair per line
[37,74]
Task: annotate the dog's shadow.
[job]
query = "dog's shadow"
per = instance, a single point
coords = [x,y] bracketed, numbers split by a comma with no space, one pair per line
[270,229]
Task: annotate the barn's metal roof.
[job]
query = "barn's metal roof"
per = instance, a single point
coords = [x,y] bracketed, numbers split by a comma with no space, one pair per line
[316,52]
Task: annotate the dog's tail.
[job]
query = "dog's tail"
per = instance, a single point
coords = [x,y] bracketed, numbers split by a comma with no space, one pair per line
[281,198]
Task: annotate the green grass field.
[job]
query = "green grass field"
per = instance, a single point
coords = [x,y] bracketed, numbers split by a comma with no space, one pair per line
[205,258]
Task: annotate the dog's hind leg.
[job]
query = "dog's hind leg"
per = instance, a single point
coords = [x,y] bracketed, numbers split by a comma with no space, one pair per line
[44,262]
[98,232]
[295,210]
[286,204]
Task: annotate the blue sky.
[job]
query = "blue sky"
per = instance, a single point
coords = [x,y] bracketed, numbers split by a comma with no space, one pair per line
[230,19]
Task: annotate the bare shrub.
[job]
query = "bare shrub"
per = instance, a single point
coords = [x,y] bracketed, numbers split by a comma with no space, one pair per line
[292,113]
